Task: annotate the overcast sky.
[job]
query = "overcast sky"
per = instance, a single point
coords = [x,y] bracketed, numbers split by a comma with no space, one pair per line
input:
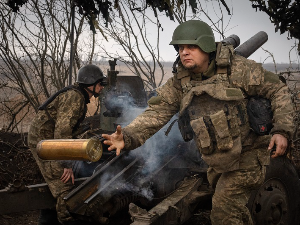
[245,22]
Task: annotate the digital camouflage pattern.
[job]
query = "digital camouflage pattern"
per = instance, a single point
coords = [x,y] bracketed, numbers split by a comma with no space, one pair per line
[233,189]
[217,108]
[247,79]
[60,118]
[57,122]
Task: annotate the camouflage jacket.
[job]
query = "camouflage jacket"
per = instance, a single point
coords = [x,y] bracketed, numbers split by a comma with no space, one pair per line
[247,78]
[60,119]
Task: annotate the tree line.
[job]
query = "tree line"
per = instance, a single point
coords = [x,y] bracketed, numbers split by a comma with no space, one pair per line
[35,43]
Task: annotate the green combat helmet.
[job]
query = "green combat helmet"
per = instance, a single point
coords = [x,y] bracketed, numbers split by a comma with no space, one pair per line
[194,32]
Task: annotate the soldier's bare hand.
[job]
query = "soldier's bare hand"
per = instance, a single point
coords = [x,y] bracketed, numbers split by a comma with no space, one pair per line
[67,175]
[281,144]
[115,140]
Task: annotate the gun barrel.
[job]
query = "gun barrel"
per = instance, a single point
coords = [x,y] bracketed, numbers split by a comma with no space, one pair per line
[70,149]
[233,40]
[252,44]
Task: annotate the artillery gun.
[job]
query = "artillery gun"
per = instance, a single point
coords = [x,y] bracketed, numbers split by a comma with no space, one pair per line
[164,180]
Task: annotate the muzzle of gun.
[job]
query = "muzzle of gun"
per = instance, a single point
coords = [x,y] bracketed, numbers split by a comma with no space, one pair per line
[70,149]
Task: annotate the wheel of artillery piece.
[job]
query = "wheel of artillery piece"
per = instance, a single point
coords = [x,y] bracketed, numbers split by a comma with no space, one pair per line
[277,200]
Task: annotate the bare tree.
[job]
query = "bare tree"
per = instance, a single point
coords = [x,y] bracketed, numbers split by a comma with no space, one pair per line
[273,59]
[138,48]
[35,52]
[130,30]
[283,14]
[35,49]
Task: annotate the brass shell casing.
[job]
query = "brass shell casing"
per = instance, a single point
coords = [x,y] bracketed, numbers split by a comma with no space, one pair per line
[70,149]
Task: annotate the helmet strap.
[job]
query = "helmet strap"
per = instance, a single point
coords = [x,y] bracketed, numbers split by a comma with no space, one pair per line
[212,56]
[93,92]
[96,95]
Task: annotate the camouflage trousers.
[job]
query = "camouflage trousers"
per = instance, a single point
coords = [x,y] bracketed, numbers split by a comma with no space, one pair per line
[52,171]
[233,189]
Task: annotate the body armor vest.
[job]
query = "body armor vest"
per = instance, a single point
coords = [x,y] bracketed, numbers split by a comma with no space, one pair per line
[217,115]
[217,123]
[214,113]
[218,118]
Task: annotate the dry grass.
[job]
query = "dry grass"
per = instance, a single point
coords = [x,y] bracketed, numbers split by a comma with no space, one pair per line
[24,117]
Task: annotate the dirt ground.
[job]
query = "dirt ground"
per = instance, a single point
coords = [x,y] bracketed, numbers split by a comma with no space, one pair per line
[18,167]
[200,217]
[26,218]
[31,218]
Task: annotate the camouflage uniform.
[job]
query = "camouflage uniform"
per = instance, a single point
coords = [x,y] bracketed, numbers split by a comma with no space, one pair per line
[59,121]
[216,104]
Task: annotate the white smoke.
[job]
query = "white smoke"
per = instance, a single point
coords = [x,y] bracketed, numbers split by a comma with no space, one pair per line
[153,152]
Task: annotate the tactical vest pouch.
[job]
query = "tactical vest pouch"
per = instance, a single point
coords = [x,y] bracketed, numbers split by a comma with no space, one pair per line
[203,140]
[222,134]
[185,127]
[260,115]
[212,132]
[223,55]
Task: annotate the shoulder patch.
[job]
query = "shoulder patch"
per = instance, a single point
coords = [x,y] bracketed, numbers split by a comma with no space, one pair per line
[271,77]
[155,100]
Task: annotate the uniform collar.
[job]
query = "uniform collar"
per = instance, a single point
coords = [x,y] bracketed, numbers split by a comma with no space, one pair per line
[207,74]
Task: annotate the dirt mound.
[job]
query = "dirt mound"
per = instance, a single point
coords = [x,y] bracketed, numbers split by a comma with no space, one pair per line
[17,165]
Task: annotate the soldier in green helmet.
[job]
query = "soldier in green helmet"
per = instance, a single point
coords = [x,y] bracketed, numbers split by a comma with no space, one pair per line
[211,87]
[59,117]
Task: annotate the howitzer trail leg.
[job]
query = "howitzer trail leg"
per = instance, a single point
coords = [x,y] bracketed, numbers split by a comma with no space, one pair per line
[175,209]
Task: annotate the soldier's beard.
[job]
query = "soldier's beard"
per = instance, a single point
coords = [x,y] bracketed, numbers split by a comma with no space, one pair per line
[190,67]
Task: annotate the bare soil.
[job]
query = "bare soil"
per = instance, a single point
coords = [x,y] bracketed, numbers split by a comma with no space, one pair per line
[201,217]
[17,166]
[26,218]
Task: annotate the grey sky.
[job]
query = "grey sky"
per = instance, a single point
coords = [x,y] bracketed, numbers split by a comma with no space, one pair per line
[245,22]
